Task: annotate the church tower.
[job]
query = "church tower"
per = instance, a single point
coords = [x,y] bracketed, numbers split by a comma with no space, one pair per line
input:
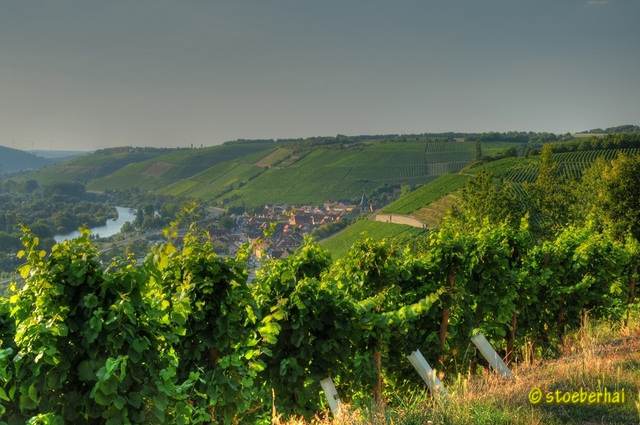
[364,205]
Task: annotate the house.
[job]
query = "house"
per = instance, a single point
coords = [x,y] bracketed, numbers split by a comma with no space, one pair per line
[301,221]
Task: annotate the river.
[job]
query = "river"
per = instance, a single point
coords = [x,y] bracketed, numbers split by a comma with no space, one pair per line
[111,228]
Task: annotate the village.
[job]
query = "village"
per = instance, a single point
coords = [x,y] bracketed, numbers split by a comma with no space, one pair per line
[277,230]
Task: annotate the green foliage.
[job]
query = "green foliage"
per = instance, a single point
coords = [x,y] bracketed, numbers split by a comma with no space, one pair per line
[185,339]
[306,327]
[579,272]
[389,300]
[484,200]
[618,197]
[207,303]
[549,198]
[89,345]
[128,344]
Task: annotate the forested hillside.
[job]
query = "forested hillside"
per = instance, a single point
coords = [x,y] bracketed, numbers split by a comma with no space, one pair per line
[13,160]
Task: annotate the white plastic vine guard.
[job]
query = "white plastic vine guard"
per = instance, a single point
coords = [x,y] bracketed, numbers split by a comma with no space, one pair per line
[428,375]
[491,356]
[331,394]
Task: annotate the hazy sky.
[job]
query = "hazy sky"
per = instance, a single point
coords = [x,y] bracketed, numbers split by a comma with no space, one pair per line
[95,73]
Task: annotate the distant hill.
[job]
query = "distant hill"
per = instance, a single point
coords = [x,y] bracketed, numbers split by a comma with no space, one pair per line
[304,173]
[13,160]
[255,172]
[613,130]
[161,171]
[92,166]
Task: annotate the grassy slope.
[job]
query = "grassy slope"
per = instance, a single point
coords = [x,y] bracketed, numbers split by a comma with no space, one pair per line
[214,181]
[407,204]
[596,357]
[399,234]
[427,194]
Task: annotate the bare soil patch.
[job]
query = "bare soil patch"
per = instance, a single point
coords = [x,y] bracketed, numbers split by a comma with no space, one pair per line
[157,169]
[269,159]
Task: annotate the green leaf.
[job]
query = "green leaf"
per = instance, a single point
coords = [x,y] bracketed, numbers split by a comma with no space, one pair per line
[140,345]
[33,393]
[90,301]
[119,402]
[100,398]
[134,399]
[85,371]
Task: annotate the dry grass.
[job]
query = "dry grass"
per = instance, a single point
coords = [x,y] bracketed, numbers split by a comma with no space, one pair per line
[597,357]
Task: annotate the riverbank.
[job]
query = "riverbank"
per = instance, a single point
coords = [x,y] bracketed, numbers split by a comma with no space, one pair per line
[112,227]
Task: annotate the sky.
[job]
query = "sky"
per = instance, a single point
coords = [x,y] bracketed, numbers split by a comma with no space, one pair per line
[89,74]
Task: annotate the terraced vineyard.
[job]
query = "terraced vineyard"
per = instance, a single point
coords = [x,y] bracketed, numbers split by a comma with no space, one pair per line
[432,213]
[570,164]
[431,201]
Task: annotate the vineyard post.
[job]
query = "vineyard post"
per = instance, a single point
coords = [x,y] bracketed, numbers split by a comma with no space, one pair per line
[632,287]
[377,359]
[426,373]
[512,339]
[332,395]
[446,311]
[491,356]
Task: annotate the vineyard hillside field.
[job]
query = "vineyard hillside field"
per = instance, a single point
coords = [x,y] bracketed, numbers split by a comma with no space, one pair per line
[161,171]
[344,173]
[261,172]
[427,194]
[90,167]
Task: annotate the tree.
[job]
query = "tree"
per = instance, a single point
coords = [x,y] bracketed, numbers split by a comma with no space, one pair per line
[484,199]
[227,222]
[139,218]
[612,193]
[137,248]
[127,227]
[549,196]
[478,150]
[30,186]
